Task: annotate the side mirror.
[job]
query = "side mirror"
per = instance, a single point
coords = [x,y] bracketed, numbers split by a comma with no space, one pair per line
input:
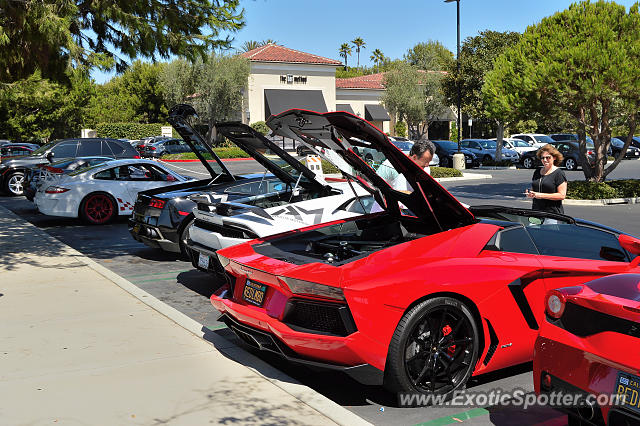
[50,156]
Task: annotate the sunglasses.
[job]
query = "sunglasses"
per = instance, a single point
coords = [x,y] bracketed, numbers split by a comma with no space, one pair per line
[546,157]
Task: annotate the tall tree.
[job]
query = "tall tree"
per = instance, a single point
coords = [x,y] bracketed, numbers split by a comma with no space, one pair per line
[430,56]
[345,52]
[477,55]
[359,43]
[52,36]
[581,61]
[377,57]
[250,45]
[414,96]
[215,87]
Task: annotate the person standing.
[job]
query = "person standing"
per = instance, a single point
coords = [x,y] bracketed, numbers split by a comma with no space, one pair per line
[549,183]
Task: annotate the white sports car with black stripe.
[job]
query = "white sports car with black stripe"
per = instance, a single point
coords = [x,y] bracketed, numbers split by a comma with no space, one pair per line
[100,193]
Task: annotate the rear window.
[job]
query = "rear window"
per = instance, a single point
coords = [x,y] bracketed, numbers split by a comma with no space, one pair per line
[89,148]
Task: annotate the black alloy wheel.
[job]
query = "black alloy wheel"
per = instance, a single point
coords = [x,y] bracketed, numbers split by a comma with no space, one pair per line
[445,162]
[486,160]
[183,234]
[434,348]
[14,184]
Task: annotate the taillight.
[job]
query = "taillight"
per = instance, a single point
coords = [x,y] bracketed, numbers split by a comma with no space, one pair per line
[54,169]
[156,203]
[56,190]
[556,300]
[152,148]
[136,156]
[181,213]
[590,152]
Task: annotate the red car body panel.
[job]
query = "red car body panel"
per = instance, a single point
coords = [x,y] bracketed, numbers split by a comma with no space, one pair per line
[592,363]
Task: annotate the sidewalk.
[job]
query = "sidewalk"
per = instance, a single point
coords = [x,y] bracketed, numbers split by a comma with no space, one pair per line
[76,348]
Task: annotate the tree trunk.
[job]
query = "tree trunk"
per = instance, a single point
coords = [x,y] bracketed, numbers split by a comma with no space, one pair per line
[582,134]
[499,140]
[627,142]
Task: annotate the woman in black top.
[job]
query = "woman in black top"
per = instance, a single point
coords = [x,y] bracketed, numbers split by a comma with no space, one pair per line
[549,183]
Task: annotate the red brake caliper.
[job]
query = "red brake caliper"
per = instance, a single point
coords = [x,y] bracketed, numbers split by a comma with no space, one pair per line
[446,330]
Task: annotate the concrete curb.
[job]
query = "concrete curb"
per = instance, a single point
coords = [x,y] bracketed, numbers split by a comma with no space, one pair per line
[465,176]
[601,202]
[313,399]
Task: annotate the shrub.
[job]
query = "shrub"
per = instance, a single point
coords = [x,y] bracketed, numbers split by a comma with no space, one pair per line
[627,188]
[585,190]
[442,172]
[400,129]
[130,130]
[223,152]
[261,127]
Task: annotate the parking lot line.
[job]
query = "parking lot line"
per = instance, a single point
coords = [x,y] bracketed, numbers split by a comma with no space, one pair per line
[456,418]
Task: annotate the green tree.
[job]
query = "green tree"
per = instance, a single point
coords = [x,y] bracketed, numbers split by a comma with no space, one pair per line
[400,129]
[477,55]
[359,43]
[215,87]
[430,56]
[52,36]
[414,96]
[581,61]
[345,52]
[377,57]
[40,109]
[250,45]
[261,127]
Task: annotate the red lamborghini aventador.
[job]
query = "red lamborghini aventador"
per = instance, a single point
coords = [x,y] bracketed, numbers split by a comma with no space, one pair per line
[589,348]
[419,296]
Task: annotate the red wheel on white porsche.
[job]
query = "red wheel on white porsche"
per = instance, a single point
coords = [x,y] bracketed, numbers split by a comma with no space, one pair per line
[98,209]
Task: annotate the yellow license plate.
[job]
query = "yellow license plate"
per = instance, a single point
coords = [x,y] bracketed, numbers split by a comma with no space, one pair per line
[254,293]
[629,386]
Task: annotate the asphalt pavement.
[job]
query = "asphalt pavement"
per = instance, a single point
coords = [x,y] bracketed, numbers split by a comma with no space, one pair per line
[176,283]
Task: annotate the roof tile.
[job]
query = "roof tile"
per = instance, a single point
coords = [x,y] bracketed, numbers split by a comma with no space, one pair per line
[275,53]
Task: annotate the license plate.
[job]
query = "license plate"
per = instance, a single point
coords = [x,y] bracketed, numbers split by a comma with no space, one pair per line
[468,161]
[629,386]
[254,293]
[203,261]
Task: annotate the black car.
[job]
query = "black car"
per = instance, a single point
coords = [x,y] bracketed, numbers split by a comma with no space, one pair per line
[569,149]
[12,171]
[616,147]
[161,216]
[167,146]
[36,175]
[17,150]
[446,149]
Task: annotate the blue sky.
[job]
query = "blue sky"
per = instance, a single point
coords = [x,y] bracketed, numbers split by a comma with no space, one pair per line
[320,27]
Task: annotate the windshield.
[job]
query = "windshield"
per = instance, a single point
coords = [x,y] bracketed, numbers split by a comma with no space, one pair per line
[403,145]
[543,139]
[44,148]
[520,144]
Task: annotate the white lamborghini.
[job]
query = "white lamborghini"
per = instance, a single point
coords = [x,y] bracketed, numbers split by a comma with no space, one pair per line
[98,194]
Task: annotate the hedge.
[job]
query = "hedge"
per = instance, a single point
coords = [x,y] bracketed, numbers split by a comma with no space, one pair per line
[224,152]
[442,172]
[586,190]
[130,130]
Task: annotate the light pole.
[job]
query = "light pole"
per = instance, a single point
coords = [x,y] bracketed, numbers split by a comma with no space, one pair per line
[458,158]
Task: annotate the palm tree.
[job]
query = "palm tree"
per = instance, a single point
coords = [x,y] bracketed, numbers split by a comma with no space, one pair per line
[268,41]
[250,45]
[377,57]
[345,51]
[359,43]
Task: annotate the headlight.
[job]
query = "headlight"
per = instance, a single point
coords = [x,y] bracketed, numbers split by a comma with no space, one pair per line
[314,289]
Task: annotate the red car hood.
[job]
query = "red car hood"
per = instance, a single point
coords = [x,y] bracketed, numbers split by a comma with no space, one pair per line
[341,132]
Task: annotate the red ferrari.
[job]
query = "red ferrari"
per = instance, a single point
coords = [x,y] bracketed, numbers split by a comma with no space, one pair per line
[589,347]
[422,294]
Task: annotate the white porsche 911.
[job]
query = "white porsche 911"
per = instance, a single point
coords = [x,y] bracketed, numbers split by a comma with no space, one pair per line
[98,194]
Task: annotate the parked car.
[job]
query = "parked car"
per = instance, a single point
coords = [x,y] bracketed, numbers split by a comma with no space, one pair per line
[98,194]
[374,295]
[485,149]
[517,145]
[617,145]
[536,140]
[635,140]
[588,346]
[41,174]
[167,146]
[405,145]
[12,171]
[445,151]
[569,150]
[12,150]
[300,199]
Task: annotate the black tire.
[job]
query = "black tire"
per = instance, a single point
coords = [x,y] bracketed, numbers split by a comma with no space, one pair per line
[14,184]
[570,164]
[182,235]
[528,162]
[440,365]
[486,160]
[98,208]
[445,162]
